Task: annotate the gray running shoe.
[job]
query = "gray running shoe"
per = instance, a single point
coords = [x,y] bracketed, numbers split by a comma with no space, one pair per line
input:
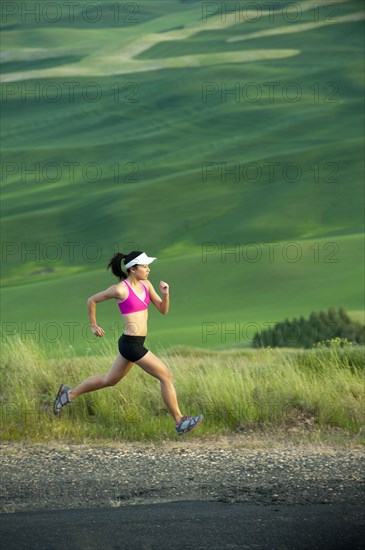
[188,423]
[61,399]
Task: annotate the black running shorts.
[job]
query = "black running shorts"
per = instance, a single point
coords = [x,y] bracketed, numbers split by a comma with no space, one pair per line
[131,347]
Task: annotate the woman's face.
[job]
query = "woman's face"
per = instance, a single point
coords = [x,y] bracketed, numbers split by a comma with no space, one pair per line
[142,271]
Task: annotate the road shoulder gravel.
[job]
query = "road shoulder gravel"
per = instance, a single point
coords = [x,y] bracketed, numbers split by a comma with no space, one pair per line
[54,476]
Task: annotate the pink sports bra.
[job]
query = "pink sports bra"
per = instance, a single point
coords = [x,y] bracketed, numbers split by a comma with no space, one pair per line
[132,302]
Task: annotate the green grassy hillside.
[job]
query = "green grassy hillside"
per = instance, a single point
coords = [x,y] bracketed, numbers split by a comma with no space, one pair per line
[125,134]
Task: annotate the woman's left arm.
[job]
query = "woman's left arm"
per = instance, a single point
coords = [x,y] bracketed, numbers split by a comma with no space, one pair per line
[161,304]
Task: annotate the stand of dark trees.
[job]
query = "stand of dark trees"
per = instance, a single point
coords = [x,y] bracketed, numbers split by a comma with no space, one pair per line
[304,333]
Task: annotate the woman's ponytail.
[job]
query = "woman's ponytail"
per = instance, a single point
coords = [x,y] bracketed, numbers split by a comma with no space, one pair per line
[115,265]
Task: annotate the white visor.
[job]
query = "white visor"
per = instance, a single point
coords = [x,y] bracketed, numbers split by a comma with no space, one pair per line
[142,259]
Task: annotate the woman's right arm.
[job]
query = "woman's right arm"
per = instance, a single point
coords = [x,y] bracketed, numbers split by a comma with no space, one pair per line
[113,291]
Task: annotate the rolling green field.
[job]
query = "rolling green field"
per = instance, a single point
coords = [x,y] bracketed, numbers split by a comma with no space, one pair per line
[230,149]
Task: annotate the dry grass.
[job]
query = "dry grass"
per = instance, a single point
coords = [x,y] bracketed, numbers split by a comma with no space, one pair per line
[265,395]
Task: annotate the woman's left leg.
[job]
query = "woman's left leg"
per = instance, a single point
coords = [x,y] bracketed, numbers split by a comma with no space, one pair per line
[155,367]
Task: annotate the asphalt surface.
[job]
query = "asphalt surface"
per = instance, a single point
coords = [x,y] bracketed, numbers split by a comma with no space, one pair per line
[187,525]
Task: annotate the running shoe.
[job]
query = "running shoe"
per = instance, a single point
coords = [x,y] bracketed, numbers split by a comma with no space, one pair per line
[61,399]
[188,423]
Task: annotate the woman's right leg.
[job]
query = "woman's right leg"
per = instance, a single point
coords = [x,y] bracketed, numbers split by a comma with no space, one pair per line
[118,370]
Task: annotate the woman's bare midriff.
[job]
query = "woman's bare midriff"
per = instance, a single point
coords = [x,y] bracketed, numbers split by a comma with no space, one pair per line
[135,324]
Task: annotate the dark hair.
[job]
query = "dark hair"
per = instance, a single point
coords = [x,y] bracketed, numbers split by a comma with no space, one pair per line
[115,263]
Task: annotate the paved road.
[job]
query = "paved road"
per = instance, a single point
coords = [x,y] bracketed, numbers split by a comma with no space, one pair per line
[187,525]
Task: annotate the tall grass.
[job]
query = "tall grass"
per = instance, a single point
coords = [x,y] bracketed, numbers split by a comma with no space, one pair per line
[235,390]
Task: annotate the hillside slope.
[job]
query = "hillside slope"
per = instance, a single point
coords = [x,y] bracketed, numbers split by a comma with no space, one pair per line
[173,134]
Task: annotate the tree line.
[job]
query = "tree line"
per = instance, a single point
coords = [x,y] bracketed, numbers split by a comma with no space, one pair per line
[320,327]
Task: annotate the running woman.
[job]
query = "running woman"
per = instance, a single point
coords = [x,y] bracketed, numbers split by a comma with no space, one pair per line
[133,294]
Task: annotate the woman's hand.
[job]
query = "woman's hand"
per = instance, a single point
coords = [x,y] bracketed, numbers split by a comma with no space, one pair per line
[98,331]
[164,287]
